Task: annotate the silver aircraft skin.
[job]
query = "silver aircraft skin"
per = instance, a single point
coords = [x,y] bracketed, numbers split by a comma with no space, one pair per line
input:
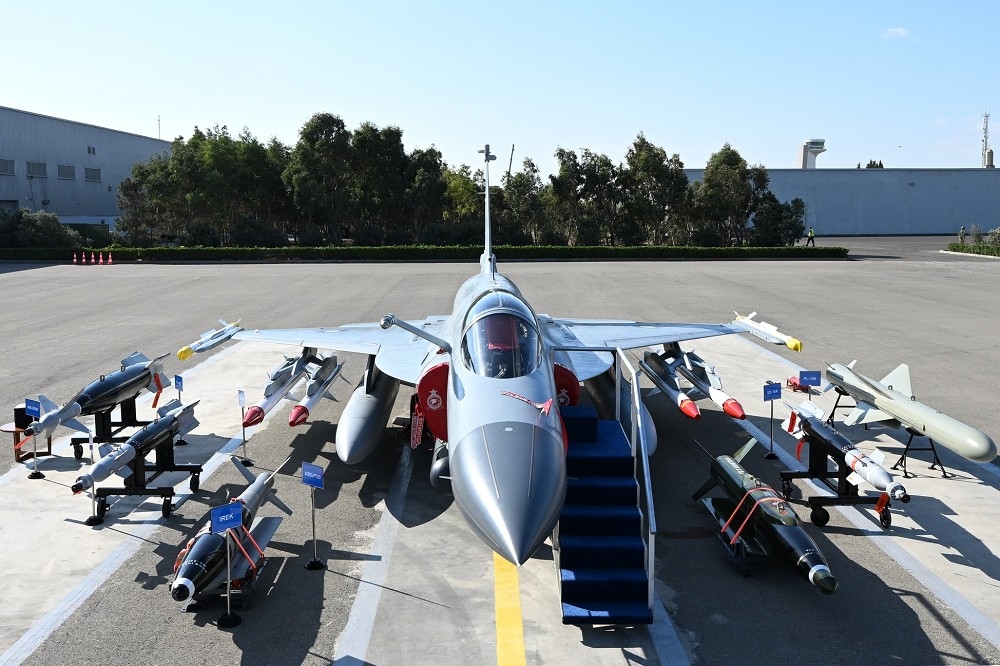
[891,402]
[488,383]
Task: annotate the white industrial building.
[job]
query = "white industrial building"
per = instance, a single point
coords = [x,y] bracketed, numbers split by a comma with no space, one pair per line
[67,168]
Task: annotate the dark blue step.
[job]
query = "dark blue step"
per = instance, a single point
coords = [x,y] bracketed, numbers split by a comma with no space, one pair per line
[610,454]
[604,490]
[609,585]
[607,613]
[580,422]
[601,552]
[619,519]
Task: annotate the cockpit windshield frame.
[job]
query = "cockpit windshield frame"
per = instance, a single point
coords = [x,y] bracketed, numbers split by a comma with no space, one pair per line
[500,339]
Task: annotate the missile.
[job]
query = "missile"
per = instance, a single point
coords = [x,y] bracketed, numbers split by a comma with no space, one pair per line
[281,380]
[601,390]
[210,339]
[137,372]
[702,376]
[806,422]
[175,420]
[201,564]
[891,401]
[765,331]
[317,387]
[365,415]
[756,522]
[666,381]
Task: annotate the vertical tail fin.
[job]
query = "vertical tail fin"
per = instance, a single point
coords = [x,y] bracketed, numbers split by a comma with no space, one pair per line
[488,262]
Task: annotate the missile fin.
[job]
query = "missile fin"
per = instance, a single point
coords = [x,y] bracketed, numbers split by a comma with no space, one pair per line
[272,497]
[877,456]
[47,405]
[865,413]
[701,492]
[247,474]
[899,380]
[75,425]
[124,472]
[854,479]
[744,450]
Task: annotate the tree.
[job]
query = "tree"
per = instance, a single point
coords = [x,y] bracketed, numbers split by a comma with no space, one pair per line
[25,228]
[727,198]
[655,193]
[778,224]
[525,219]
[425,190]
[378,185]
[565,201]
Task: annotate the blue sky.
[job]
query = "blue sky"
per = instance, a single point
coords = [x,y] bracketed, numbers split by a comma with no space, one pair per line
[902,82]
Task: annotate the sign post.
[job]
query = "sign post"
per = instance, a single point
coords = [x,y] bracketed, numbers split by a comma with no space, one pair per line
[243,411]
[33,408]
[179,383]
[810,378]
[312,476]
[93,519]
[772,392]
[225,518]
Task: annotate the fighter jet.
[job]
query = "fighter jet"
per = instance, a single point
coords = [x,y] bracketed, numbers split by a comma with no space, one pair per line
[490,378]
[891,402]
[210,339]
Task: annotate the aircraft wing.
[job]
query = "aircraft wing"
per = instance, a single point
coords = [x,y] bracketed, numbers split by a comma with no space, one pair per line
[397,352]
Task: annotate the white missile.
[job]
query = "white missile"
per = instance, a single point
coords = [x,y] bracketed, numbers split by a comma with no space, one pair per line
[282,380]
[703,377]
[317,387]
[210,339]
[666,382]
[765,331]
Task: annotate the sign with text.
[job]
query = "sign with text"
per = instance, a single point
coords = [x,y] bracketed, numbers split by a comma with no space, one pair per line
[810,378]
[243,398]
[312,475]
[227,517]
[179,383]
[772,392]
[33,408]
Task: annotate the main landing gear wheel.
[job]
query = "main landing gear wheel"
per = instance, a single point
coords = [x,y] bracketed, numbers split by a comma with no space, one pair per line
[168,507]
[885,518]
[819,516]
[102,506]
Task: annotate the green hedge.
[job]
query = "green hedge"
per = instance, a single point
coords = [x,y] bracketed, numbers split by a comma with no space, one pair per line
[975,248]
[427,253]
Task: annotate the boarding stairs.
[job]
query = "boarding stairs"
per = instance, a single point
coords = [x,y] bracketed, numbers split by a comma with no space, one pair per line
[603,542]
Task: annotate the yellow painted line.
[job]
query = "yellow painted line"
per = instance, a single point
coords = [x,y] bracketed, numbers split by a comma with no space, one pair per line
[507,598]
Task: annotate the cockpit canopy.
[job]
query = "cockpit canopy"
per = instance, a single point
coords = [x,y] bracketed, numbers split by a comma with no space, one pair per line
[500,339]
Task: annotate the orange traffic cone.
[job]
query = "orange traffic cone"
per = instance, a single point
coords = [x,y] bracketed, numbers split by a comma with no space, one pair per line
[110,260]
[74,258]
[93,258]
[100,258]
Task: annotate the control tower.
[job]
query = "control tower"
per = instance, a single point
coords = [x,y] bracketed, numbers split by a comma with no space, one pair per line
[810,149]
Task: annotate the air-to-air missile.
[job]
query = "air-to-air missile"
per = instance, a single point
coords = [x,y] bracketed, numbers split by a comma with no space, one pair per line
[766,332]
[891,401]
[210,339]
[175,421]
[703,377]
[137,372]
[317,386]
[806,423]
[201,564]
[756,523]
[280,382]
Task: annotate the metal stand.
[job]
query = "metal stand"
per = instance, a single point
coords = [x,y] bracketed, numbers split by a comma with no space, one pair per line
[906,452]
[315,564]
[771,455]
[229,619]
[246,460]
[93,519]
[35,474]
[107,431]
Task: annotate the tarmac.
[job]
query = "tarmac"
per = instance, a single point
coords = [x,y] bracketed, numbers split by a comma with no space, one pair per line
[406,580]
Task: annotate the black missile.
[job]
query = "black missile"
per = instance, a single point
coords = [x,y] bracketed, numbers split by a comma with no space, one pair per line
[755,517]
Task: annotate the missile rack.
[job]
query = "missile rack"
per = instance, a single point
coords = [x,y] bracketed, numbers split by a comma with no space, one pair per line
[108,431]
[137,482]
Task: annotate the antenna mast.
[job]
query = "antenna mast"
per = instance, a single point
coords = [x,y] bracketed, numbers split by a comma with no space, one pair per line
[986,137]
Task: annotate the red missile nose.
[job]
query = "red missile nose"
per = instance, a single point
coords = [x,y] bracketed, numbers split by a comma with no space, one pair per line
[254,416]
[298,416]
[734,409]
[689,409]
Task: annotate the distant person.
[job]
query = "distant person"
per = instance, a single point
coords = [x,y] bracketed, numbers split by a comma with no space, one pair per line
[811,237]
[961,235]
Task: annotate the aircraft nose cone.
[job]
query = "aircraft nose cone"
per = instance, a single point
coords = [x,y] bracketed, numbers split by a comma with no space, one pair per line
[509,480]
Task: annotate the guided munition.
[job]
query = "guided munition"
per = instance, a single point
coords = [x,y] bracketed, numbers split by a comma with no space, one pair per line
[210,339]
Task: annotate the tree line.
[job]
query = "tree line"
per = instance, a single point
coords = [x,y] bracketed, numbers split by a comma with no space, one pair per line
[337,186]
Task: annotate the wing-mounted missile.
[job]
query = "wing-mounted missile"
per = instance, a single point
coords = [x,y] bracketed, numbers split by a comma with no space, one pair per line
[200,569]
[706,381]
[281,380]
[805,422]
[765,331]
[317,387]
[756,523]
[665,380]
[210,339]
[366,414]
[892,403]
[176,420]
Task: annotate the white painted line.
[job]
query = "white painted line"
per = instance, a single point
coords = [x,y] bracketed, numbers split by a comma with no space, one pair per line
[352,646]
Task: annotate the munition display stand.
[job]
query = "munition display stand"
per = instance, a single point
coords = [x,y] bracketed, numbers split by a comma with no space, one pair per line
[931,448]
[107,431]
[847,492]
[137,482]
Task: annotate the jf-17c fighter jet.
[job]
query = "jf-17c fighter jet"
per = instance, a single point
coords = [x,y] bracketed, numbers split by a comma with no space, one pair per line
[488,379]
[210,339]
[137,372]
[891,402]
